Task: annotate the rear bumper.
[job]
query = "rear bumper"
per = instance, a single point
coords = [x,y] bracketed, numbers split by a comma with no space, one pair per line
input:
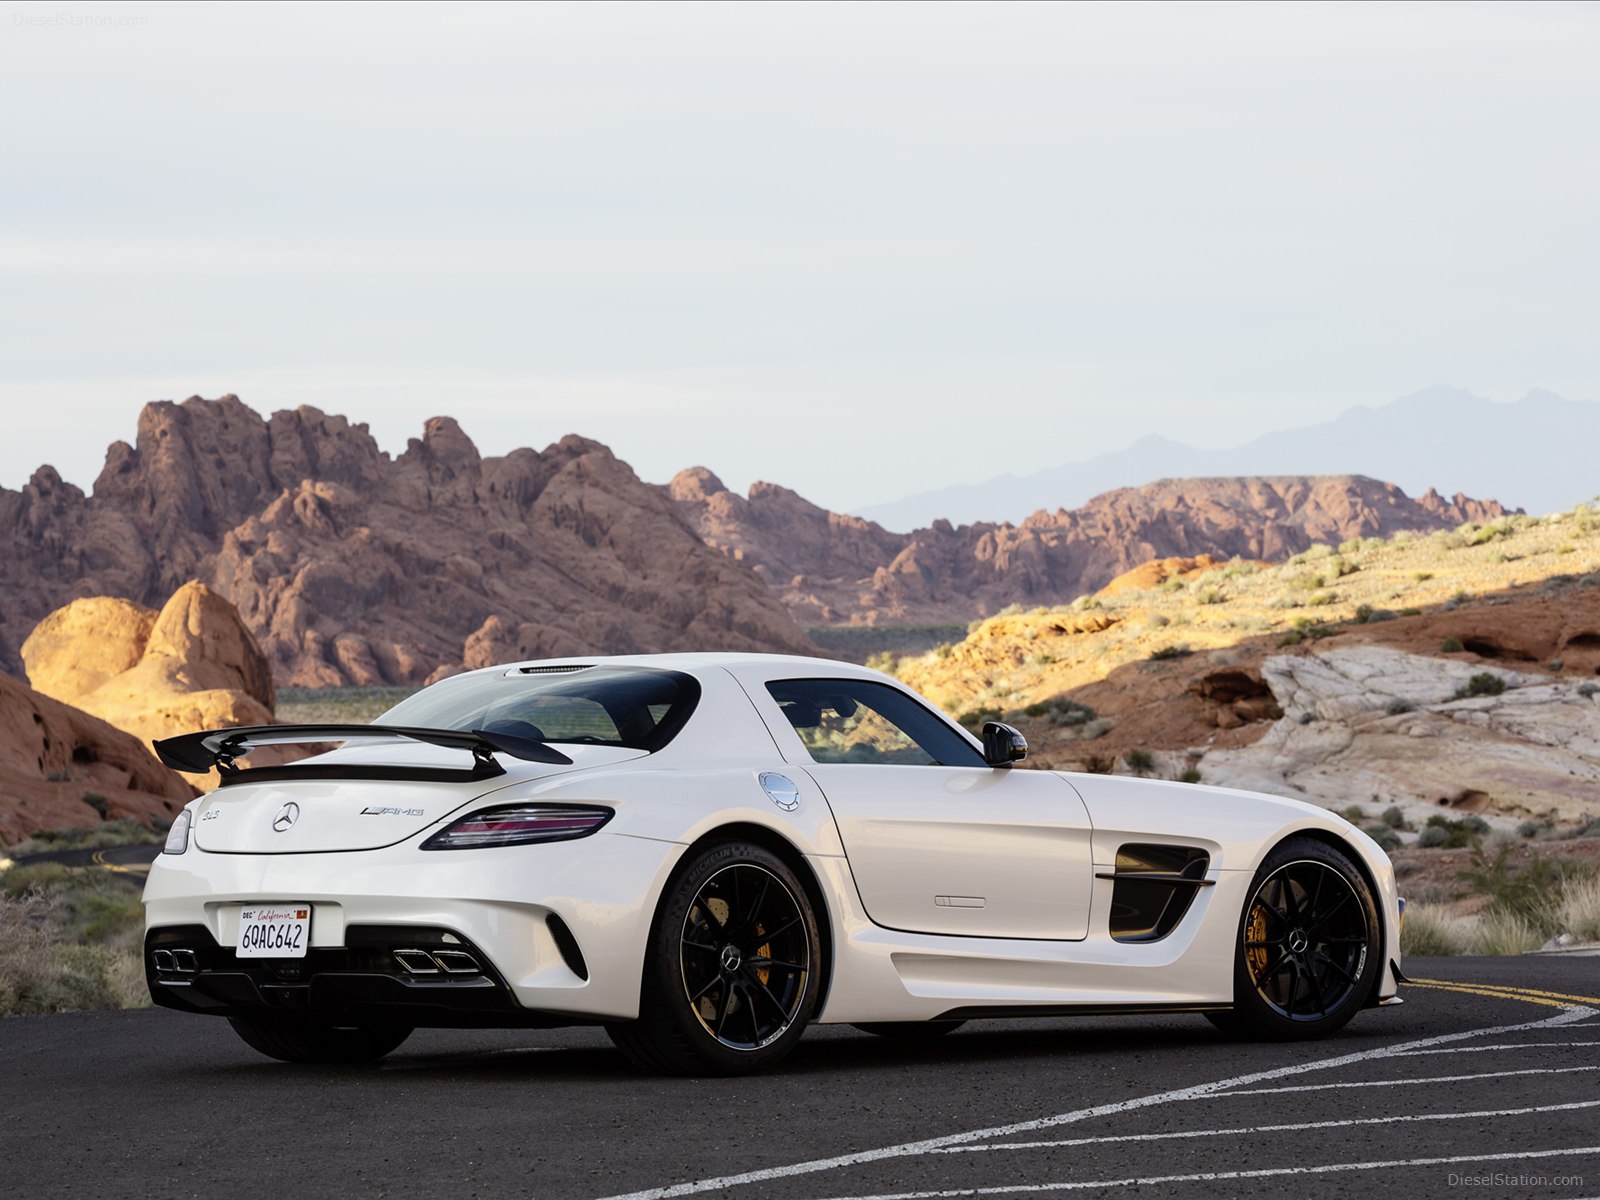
[559,930]
[365,982]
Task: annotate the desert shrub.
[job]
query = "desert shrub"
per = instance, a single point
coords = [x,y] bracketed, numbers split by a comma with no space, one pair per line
[1176,650]
[1528,829]
[1484,683]
[974,718]
[1566,549]
[1588,689]
[1139,761]
[885,661]
[1503,934]
[1383,835]
[69,941]
[1190,775]
[1086,604]
[1340,567]
[1321,599]
[121,832]
[1313,552]
[1432,837]
[1157,621]
[1555,664]
[1393,817]
[1367,615]
[1489,533]
[1406,867]
[1579,909]
[1209,595]
[1171,584]
[1292,638]
[1098,727]
[1410,612]
[1428,933]
[1528,893]
[1061,711]
[1399,705]
[944,650]
[1450,646]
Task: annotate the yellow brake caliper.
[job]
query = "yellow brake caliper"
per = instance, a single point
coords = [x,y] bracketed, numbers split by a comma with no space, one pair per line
[1255,957]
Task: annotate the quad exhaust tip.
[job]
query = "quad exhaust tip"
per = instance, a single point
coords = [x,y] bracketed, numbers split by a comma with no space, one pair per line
[176,962]
[437,962]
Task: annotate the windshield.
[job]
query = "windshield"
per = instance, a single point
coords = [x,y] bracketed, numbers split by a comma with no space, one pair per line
[635,707]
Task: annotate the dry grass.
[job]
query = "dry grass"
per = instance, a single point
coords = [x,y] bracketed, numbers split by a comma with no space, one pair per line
[70,941]
[1580,910]
[1430,933]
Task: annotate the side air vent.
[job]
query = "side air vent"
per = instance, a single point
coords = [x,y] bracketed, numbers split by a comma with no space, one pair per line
[571,954]
[1154,887]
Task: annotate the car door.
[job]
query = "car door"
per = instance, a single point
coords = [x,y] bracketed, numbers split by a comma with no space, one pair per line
[939,842]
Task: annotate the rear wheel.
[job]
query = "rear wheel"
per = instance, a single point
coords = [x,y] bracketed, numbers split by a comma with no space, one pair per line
[301,1043]
[732,970]
[1308,946]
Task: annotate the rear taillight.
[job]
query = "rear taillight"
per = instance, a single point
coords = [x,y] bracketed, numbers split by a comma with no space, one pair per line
[517,824]
[178,835]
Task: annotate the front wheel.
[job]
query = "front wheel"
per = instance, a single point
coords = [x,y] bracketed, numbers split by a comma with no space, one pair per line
[300,1043]
[1308,946]
[732,970]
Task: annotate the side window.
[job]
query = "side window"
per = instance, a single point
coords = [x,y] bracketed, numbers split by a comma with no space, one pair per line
[859,721]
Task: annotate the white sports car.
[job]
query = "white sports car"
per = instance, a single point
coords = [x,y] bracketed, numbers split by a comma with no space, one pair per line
[706,852]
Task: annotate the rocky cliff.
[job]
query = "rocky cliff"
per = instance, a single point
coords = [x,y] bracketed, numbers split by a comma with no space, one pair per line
[835,569]
[61,768]
[193,665]
[350,566]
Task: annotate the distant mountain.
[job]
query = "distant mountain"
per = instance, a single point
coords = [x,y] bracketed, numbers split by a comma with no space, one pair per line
[830,569]
[350,566]
[1533,453]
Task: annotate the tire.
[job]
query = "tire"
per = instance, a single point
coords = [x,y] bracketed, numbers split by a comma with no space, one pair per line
[1308,946]
[911,1031]
[303,1043]
[707,1005]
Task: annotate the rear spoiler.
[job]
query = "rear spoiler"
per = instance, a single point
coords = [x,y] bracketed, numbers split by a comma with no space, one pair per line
[197,753]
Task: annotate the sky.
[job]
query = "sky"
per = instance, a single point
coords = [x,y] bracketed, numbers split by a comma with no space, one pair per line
[860,250]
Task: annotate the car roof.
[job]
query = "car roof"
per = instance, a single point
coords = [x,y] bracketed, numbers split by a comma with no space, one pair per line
[700,662]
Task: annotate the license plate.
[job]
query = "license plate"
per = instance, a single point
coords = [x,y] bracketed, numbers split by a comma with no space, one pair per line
[274,931]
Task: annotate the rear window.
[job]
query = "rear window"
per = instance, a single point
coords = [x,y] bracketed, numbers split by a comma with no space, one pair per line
[634,707]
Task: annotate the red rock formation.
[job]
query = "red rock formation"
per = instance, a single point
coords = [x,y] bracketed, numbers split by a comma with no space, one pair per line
[61,768]
[350,567]
[830,568]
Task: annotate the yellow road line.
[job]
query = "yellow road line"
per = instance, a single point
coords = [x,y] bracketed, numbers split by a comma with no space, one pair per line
[99,860]
[1505,992]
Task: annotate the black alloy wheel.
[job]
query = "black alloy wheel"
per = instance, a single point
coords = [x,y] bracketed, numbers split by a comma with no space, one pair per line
[733,968]
[1309,945]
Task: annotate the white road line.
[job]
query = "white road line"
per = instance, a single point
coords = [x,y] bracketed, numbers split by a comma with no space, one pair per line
[1194,1092]
[1366,1083]
[1209,1176]
[1502,1046]
[1249,1129]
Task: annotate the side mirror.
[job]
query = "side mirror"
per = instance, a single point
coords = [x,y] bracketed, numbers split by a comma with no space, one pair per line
[1002,745]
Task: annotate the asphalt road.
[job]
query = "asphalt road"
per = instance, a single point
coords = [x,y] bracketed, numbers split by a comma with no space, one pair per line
[1460,1082]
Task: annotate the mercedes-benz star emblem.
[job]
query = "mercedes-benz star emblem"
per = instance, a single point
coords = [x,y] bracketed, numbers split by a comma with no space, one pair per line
[287,816]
